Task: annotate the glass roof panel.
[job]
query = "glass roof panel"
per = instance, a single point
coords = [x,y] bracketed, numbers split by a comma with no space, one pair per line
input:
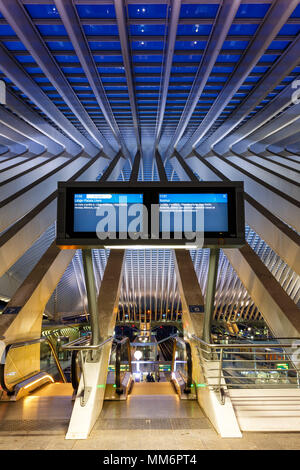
[147,45]
[60,45]
[147,11]
[289,29]
[187,29]
[42,11]
[6,30]
[107,45]
[96,11]
[193,45]
[97,29]
[52,30]
[243,29]
[14,45]
[198,11]
[251,10]
[140,29]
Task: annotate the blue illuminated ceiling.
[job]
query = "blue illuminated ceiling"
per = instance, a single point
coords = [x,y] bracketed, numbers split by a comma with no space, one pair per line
[148,26]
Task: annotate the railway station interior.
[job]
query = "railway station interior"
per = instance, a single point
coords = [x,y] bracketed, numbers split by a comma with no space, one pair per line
[167,345]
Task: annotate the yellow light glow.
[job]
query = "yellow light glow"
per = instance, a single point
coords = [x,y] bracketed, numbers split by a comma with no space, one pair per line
[38,380]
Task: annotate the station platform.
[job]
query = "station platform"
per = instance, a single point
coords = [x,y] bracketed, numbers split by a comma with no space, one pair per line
[148,420]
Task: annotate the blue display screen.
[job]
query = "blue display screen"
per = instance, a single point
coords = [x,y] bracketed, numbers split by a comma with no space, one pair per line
[181,211]
[105,212]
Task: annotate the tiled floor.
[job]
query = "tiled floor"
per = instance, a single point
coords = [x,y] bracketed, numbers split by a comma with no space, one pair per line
[143,422]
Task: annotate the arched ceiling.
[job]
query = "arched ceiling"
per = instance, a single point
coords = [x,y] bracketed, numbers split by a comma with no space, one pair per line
[217,81]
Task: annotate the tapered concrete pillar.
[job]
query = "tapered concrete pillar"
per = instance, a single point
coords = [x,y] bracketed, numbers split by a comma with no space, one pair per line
[190,293]
[279,311]
[84,415]
[32,296]
[221,416]
[22,317]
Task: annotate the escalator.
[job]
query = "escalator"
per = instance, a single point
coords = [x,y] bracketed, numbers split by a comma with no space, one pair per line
[36,366]
[119,377]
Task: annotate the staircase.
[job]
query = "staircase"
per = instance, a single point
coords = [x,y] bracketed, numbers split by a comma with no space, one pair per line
[276,410]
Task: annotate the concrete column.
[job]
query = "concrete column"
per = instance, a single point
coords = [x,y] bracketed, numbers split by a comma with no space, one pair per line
[279,311]
[19,238]
[84,417]
[221,416]
[32,296]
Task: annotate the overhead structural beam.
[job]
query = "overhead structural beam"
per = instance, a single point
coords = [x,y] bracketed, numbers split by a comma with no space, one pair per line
[30,88]
[71,21]
[275,19]
[17,137]
[160,167]
[241,143]
[288,60]
[226,13]
[20,237]
[279,311]
[84,415]
[167,65]
[279,236]
[32,296]
[286,135]
[122,27]
[19,107]
[135,167]
[19,20]
[28,131]
[260,119]
[183,169]
[15,149]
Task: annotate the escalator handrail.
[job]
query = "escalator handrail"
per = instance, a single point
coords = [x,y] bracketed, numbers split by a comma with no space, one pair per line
[189,363]
[120,344]
[19,344]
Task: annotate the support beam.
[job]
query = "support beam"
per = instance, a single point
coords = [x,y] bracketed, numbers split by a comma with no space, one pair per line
[281,238]
[20,108]
[221,416]
[276,17]
[84,417]
[20,21]
[123,37]
[20,236]
[285,64]
[190,293]
[160,167]
[71,21]
[22,127]
[210,292]
[32,296]
[226,13]
[277,202]
[135,167]
[87,261]
[167,65]
[279,311]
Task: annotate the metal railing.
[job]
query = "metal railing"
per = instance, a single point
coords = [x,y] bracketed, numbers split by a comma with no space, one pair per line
[187,371]
[82,352]
[253,365]
[9,348]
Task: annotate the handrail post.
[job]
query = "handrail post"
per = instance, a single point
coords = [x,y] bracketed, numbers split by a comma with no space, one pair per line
[210,292]
[220,373]
[91,295]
